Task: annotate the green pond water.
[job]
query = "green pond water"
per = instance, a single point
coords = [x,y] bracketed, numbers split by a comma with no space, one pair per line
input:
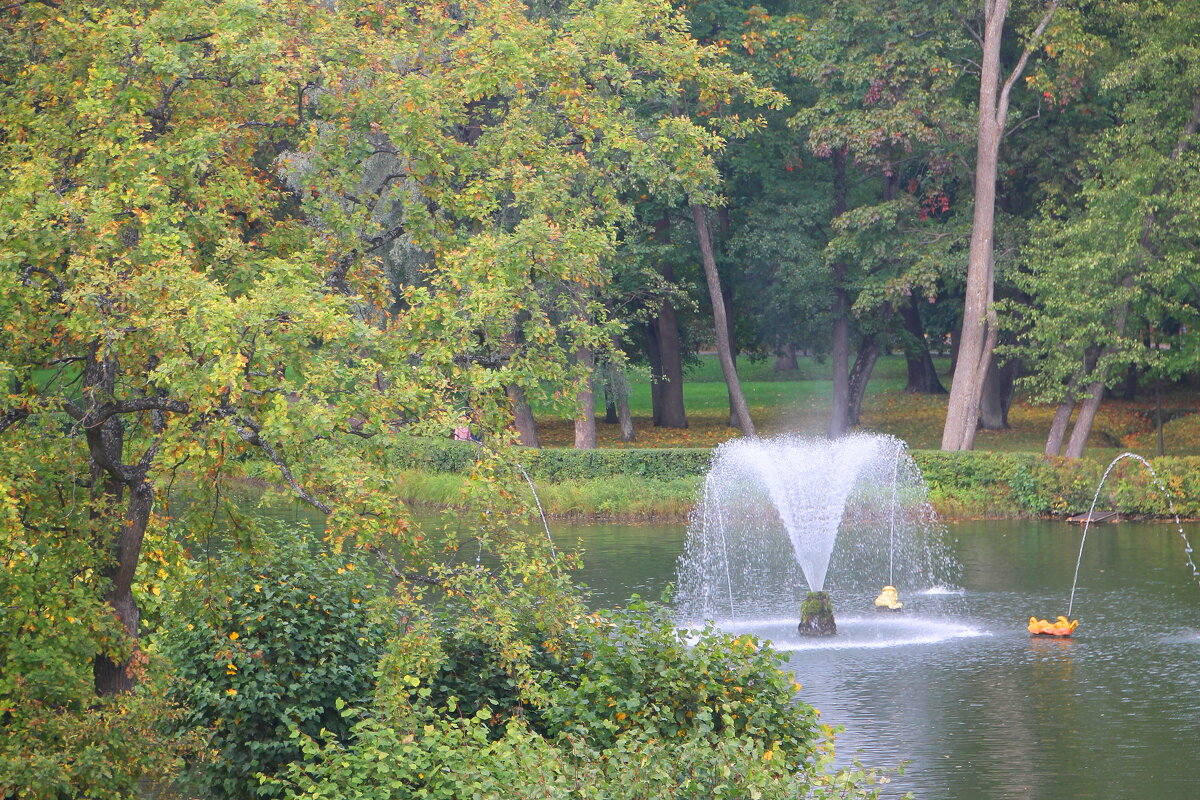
[989,712]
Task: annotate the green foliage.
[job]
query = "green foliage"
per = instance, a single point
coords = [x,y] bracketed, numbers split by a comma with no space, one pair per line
[56,738]
[559,464]
[94,748]
[271,642]
[451,758]
[627,707]
[636,671]
[980,484]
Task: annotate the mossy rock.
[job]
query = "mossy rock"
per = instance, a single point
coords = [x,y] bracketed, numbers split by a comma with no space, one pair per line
[816,615]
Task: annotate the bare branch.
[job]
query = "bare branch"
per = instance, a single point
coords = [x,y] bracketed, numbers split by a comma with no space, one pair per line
[1030,46]
[249,432]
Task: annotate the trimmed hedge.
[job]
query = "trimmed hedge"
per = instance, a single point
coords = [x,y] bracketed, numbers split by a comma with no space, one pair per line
[1028,484]
[968,484]
[560,464]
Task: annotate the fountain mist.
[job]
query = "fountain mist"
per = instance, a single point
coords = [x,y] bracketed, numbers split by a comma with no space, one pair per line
[784,515]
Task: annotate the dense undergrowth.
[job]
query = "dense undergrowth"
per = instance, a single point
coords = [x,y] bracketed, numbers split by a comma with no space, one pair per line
[298,673]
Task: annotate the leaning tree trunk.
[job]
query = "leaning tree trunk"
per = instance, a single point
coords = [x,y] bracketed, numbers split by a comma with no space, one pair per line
[727,296]
[860,374]
[720,322]
[730,311]
[979,326]
[1066,407]
[1058,426]
[618,390]
[1083,423]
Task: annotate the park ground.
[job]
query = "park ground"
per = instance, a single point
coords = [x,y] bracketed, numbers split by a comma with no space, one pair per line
[799,402]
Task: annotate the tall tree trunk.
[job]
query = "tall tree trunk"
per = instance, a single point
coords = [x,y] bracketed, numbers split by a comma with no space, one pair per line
[996,398]
[720,322]
[654,357]
[585,402]
[860,374]
[670,353]
[979,326]
[522,416]
[730,310]
[839,344]
[667,379]
[922,374]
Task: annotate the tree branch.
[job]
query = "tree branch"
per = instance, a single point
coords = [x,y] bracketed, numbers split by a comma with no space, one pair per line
[249,432]
[12,417]
[97,416]
[1030,46]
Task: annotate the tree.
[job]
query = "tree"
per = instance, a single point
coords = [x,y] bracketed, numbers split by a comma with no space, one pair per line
[887,116]
[193,242]
[1115,269]
[979,326]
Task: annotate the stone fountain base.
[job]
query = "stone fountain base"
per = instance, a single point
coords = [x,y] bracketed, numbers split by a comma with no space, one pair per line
[816,615]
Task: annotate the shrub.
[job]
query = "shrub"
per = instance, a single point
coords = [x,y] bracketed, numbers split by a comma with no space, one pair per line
[272,643]
[627,707]
[558,464]
[57,738]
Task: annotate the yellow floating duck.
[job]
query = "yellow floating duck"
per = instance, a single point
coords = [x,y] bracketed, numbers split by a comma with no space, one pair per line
[888,600]
[1060,627]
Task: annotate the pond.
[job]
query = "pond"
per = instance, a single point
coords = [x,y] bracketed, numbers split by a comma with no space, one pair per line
[989,711]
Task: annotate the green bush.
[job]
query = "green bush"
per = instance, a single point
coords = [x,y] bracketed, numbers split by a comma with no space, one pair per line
[272,643]
[1023,484]
[558,464]
[443,758]
[626,707]
[57,738]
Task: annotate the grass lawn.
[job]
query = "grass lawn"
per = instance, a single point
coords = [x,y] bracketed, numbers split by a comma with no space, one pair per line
[799,403]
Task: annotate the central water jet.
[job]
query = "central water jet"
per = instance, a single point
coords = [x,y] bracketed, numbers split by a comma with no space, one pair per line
[782,517]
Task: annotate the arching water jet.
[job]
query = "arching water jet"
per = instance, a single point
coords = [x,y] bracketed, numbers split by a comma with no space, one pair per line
[1187,547]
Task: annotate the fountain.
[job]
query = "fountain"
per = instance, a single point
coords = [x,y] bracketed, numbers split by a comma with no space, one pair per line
[1187,547]
[789,514]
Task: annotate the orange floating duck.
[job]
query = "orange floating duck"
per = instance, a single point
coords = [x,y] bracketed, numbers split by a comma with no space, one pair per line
[1060,627]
